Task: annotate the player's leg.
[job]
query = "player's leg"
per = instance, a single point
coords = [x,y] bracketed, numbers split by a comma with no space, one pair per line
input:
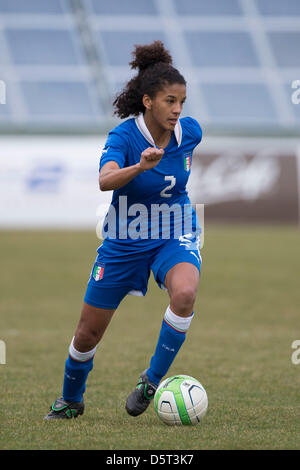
[180,275]
[101,300]
[91,327]
[182,282]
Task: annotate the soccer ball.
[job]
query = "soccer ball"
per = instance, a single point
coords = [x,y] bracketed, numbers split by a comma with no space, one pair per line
[180,399]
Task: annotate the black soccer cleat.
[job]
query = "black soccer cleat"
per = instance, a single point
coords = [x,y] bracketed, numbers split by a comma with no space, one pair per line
[139,400]
[62,409]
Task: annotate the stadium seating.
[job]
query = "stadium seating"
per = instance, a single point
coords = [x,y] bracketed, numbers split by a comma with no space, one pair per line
[63,60]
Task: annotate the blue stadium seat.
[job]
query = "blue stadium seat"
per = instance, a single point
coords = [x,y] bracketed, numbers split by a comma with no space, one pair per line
[278,7]
[34,6]
[221,49]
[208,8]
[286,48]
[62,100]
[119,44]
[43,47]
[123,7]
[245,103]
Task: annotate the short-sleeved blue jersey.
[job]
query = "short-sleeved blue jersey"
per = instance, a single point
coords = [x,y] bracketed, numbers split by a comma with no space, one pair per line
[137,207]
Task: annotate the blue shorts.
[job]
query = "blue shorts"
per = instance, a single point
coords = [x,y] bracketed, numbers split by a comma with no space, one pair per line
[113,277]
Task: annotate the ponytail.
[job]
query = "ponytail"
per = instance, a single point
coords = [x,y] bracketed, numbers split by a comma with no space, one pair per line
[155,70]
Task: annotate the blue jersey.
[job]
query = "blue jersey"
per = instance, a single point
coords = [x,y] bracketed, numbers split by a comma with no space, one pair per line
[154,205]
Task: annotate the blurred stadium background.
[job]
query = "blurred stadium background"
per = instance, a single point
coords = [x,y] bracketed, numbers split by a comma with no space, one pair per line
[62,61]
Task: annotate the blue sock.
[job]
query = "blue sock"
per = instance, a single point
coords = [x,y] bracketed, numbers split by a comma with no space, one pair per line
[168,345]
[172,336]
[75,378]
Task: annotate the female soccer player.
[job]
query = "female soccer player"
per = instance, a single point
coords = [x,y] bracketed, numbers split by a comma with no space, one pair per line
[146,162]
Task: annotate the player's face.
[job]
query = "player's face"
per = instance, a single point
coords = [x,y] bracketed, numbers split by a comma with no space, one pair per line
[166,106]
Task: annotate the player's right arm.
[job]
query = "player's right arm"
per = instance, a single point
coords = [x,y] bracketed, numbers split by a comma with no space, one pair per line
[113,177]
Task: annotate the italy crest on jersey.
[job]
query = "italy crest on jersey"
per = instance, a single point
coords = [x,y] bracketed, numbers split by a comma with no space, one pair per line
[187,158]
[98,272]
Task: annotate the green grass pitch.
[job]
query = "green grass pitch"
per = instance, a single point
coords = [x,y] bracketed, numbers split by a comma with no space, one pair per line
[238,346]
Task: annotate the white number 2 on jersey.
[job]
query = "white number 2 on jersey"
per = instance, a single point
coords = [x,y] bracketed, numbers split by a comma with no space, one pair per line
[172,180]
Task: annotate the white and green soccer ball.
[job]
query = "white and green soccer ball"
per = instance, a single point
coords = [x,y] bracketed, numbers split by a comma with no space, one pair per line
[180,400]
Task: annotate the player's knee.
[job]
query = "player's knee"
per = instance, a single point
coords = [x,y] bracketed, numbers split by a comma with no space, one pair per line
[85,338]
[183,299]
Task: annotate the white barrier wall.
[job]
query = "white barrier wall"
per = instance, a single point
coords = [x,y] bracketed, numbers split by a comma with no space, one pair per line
[50,182]
[53,181]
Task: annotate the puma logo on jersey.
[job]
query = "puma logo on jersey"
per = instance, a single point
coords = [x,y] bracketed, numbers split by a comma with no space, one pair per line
[185,239]
[105,151]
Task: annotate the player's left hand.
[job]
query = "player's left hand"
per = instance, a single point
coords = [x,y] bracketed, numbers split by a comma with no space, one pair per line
[150,157]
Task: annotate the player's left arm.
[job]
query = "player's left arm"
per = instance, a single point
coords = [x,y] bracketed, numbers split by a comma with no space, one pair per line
[112,177]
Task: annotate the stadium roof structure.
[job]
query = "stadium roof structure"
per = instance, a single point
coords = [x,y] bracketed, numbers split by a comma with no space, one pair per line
[62,62]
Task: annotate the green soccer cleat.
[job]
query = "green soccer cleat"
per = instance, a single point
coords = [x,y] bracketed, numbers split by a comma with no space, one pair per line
[62,409]
[139,400]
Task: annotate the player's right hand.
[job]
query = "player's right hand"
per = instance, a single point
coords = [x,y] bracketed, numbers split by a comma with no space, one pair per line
[150,157]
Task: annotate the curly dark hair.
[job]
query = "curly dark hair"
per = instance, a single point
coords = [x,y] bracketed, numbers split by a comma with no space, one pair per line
[155,70]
